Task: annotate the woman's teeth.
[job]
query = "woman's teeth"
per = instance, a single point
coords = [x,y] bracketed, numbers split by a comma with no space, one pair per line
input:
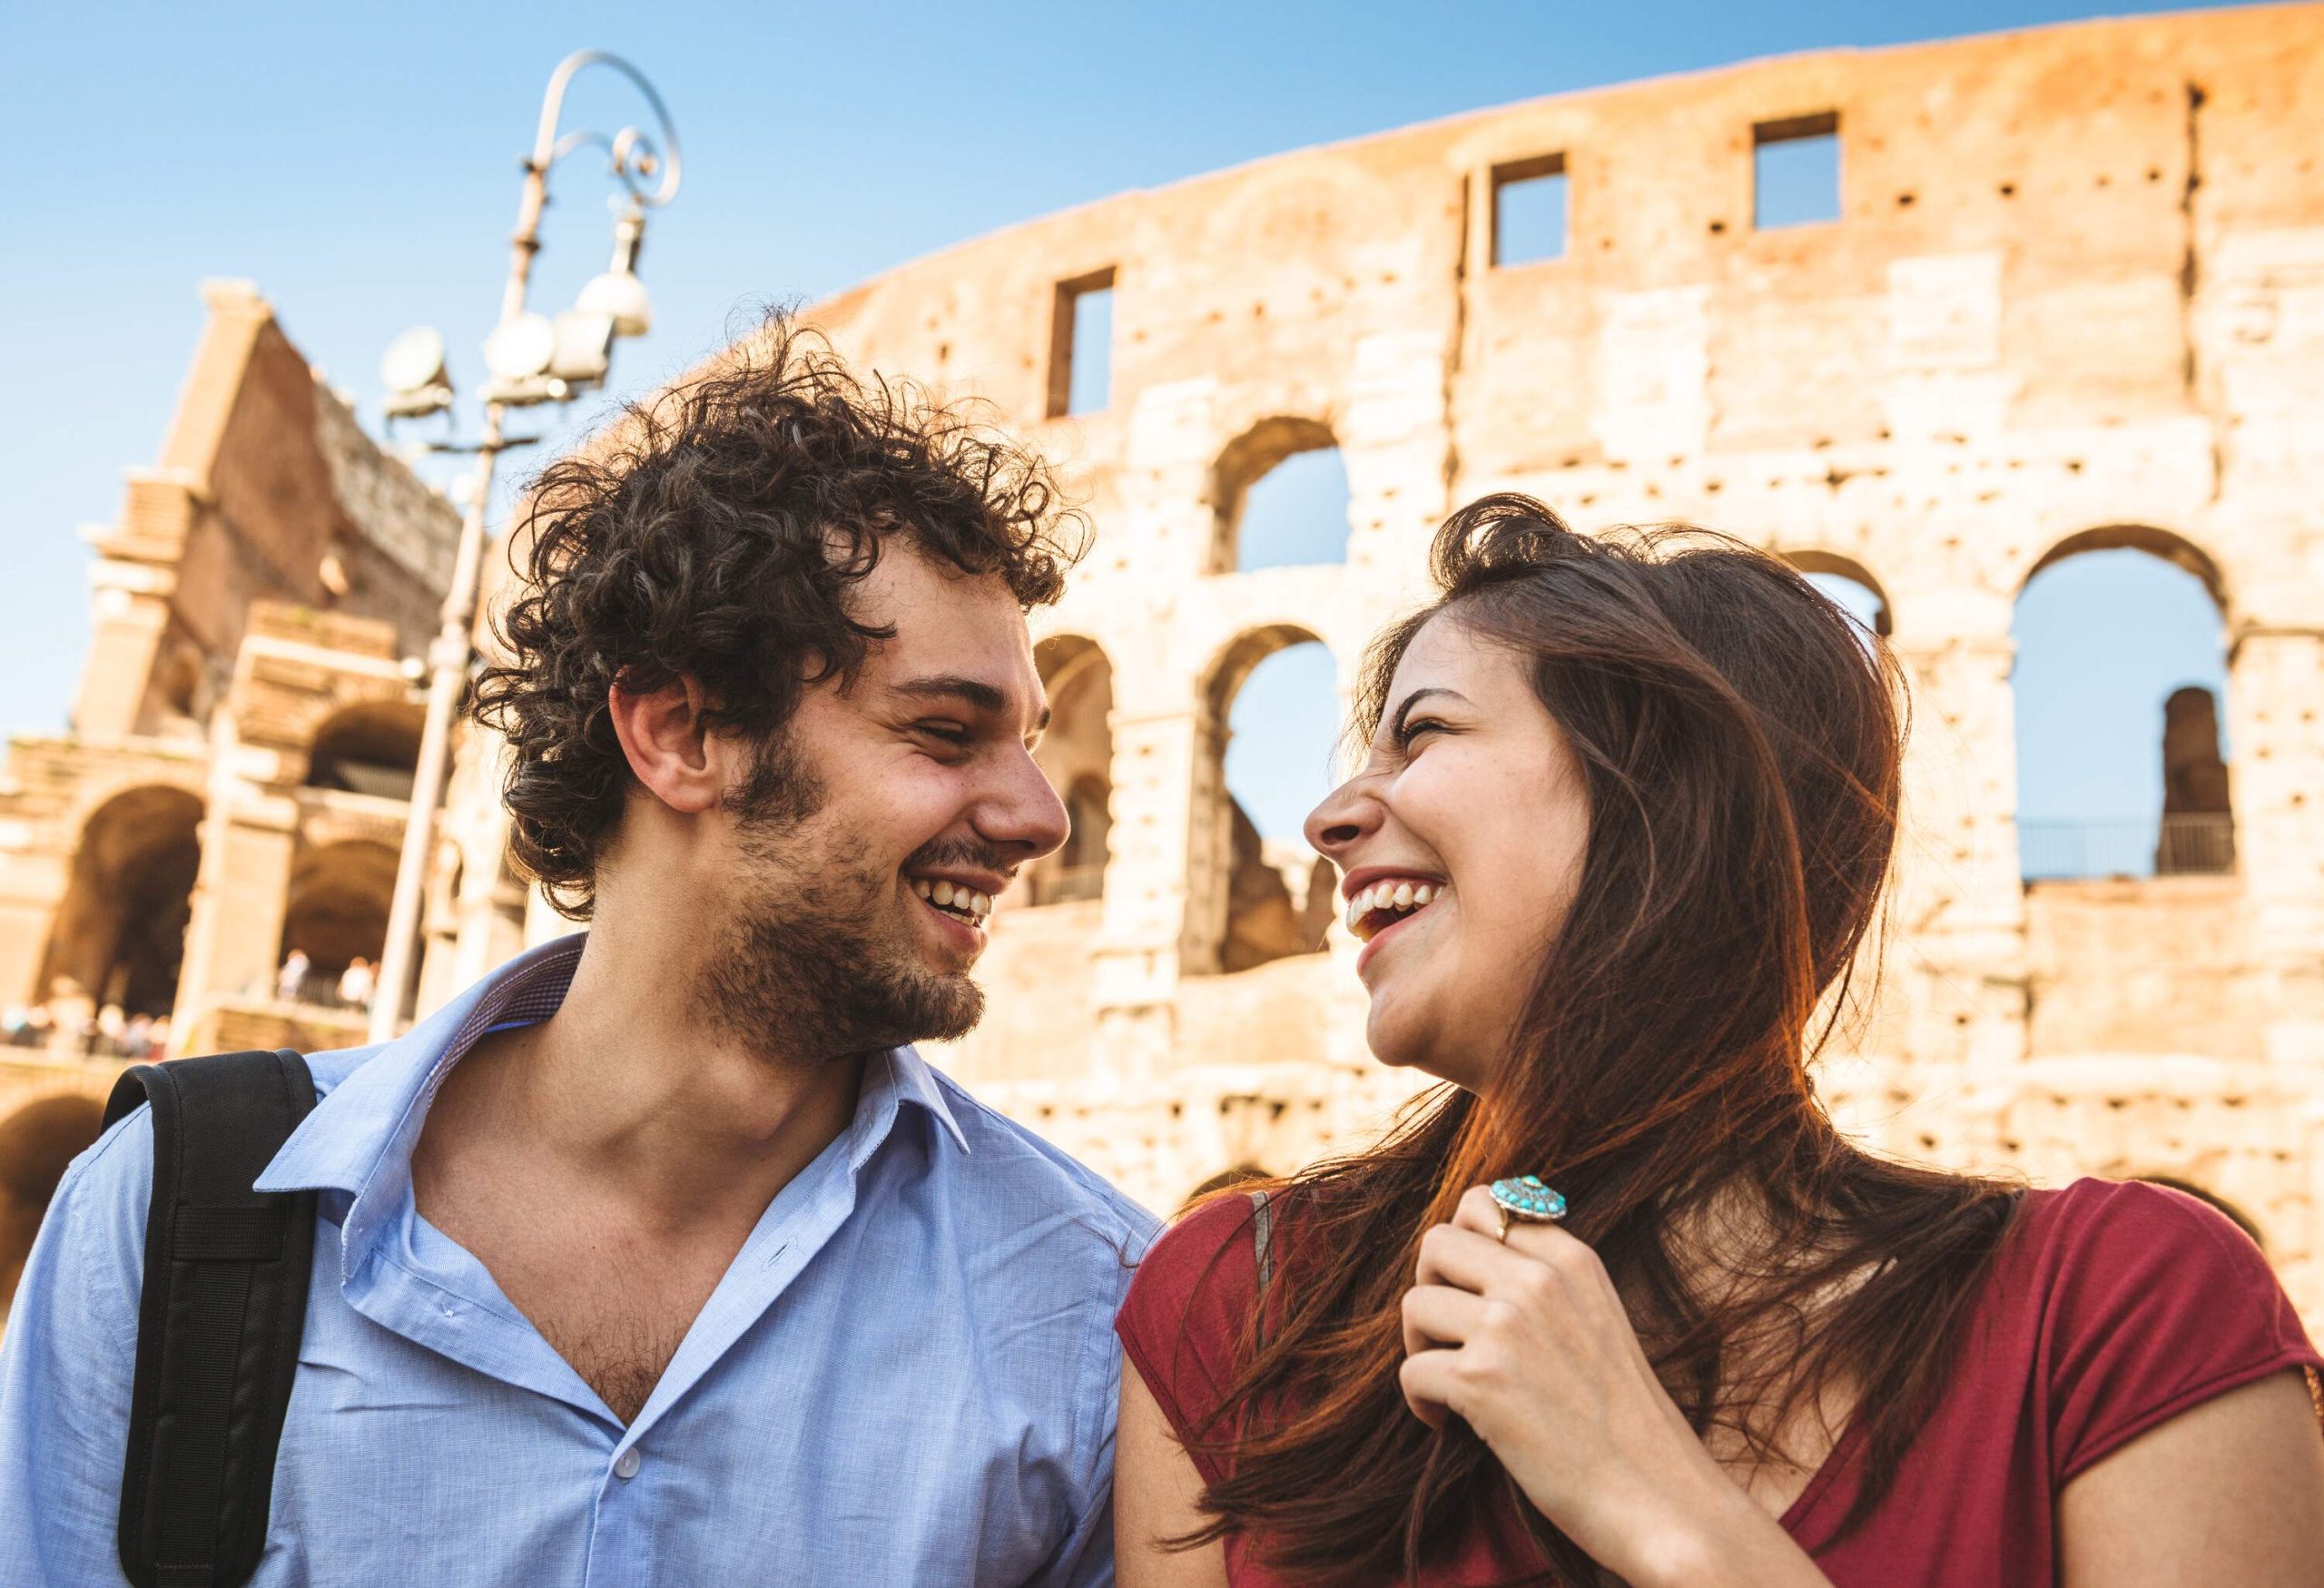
[1380,905]
[957,900]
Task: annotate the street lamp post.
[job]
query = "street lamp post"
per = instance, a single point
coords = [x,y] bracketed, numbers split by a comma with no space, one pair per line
[532,359]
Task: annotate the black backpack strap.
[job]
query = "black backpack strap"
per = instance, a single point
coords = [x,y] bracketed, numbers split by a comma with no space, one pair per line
[226,1271]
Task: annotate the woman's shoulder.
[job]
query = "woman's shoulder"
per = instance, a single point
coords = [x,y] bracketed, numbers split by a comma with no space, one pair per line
[2092,1233]
[1190,1308]
[2140,1301]
[1203,1268]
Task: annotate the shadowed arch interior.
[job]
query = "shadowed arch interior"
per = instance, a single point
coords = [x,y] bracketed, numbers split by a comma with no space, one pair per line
[338,904]
[37,1142]
[371,748]
[1076,755]
[119,933]
[1272,898]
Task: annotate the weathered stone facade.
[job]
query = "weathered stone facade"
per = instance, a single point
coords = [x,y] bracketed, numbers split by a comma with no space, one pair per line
[2074,300]
[232,787]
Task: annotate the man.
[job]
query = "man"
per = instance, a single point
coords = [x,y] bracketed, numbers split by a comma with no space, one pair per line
[660,1256]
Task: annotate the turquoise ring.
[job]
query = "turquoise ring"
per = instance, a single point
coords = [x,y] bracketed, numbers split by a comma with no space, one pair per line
[1526,1198]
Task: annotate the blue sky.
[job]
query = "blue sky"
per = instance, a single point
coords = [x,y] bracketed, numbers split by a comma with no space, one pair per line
[360,163]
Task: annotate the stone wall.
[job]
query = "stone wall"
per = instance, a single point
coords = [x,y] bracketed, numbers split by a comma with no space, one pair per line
[2074,300]
[250,605]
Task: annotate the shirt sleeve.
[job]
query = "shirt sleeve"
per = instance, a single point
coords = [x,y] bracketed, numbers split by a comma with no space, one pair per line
[2160,1303]
[66,1363]
[1188,1316]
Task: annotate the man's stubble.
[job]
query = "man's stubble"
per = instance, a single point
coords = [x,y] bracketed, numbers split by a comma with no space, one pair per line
[812,957]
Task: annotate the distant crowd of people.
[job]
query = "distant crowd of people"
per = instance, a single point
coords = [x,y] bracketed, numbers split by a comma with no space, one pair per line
[109,1032]
[298,982]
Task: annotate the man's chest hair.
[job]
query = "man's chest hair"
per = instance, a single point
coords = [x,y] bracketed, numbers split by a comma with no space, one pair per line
[615,1308]
[621,1354]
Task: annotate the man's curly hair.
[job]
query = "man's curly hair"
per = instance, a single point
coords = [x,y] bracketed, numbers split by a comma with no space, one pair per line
[718,533]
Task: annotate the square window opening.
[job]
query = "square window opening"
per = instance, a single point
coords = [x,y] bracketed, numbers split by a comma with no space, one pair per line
[1796,171]
[1081,345]
[1529,211]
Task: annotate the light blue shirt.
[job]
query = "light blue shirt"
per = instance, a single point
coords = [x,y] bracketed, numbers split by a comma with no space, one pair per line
[907,1376]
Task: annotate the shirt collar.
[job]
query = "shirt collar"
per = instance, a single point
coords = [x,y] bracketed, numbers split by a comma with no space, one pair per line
[360,1137]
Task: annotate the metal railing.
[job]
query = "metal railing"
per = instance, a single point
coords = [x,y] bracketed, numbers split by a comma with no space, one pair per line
[2202,844]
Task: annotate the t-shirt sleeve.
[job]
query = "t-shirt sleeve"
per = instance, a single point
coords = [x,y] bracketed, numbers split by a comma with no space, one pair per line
[1188,1316]
[2158,1304]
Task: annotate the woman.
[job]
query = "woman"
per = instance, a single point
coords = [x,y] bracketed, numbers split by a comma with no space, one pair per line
[1621,832]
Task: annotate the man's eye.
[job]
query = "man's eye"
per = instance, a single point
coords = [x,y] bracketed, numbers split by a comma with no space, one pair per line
[951,734]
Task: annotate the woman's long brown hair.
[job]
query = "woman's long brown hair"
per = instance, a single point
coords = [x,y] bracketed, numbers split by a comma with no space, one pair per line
[1741,740]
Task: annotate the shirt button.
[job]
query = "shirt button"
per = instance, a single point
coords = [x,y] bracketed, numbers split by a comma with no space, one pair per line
[626,1464]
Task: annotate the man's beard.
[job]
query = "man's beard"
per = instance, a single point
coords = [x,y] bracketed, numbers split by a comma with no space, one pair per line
[814,958]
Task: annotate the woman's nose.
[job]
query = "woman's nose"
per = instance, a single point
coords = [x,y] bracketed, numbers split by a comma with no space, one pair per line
[1346,814]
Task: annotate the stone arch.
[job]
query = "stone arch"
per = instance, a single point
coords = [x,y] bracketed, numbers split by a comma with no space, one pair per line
[37,1141]
[180,689]
[336,909]
[371,747]
[1076,755]
[2173,548]
[1820,566]
[2119,688]
[1249,900]
[1243,542]
[118,935]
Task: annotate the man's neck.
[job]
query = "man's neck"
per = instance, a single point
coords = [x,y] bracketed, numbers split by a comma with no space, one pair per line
[626,1087]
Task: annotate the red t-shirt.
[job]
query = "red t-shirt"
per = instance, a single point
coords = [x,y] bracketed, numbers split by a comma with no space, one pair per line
[2110,1308]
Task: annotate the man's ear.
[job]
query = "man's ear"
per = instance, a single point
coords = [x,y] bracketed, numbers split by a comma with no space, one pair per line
[671,751]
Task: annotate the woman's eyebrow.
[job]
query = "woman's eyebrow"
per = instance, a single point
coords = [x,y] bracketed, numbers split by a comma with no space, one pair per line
[1416,697]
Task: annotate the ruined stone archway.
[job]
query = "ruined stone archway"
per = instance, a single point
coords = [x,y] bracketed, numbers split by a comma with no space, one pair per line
[337,909]
[368,748]
[2172,547]
[119,935]
[1267,517]
[2119,688]
[1850,583]
[36,1144]
[1252,897]
[1076,755]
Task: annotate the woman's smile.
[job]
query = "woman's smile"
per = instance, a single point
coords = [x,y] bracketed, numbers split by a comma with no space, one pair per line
[1390,910]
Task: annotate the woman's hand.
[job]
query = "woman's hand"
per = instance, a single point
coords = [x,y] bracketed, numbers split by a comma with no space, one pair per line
[1529,1343]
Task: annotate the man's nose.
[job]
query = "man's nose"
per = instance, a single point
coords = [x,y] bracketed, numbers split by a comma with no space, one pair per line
[1023,812]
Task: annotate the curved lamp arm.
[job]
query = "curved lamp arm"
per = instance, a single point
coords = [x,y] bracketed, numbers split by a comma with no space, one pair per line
[636,158]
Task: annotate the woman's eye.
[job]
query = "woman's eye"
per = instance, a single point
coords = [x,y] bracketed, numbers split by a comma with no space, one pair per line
[1413,729]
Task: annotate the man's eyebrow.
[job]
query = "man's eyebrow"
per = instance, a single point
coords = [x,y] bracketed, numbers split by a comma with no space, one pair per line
[985,697]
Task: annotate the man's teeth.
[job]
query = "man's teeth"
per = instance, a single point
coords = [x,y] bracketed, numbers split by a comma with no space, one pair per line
[955,898]
[1402,897]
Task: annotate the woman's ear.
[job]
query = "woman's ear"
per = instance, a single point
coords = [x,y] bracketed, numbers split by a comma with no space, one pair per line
[671,751]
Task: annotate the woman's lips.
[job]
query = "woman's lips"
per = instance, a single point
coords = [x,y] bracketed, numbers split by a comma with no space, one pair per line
[1394,929]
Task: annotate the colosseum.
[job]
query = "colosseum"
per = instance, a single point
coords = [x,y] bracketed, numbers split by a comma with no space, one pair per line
[2065,295]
